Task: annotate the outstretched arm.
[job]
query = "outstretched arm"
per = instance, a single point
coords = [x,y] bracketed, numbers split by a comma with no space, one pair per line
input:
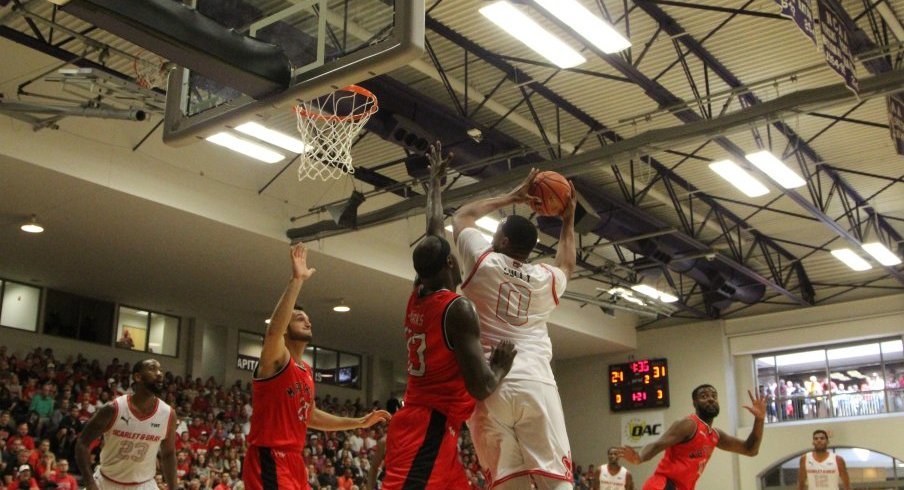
[463,331]
[467,215]
[751,445]
[274,354]
[92,431]
[438,165]
[679,432]
[321,420]
[566,253]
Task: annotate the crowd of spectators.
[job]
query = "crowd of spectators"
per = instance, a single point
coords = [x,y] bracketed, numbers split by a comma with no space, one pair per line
[815,397]
[45,402]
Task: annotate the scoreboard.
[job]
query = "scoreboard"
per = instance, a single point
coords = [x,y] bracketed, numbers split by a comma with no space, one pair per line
[639,384]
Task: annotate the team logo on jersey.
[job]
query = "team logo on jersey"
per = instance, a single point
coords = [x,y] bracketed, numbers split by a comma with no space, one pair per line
[156,426]
[125,419]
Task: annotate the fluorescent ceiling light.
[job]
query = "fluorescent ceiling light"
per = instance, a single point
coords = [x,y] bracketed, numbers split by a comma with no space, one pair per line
[667,298]
[851,259]
[273,137]
[592,28]
[738,177]
[245,147]
[881,253]
[775,168]
[646,290]
[488,224]
[524,29]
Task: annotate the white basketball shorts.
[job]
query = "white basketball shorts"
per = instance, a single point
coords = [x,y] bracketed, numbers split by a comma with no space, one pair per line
[104,483]
[520,430]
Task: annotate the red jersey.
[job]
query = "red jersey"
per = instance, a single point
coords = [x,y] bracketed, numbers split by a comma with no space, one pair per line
[434,378]
[282,403]
[683,463]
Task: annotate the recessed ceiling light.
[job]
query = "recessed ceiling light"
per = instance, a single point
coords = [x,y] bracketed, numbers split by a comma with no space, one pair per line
[276,138]
[245,147]
[32,226]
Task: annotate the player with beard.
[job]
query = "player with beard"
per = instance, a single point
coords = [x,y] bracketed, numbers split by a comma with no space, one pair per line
[135,428]
[283,395]
[690,442]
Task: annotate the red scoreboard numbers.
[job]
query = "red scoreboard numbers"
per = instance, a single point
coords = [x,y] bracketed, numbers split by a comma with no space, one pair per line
[639,384]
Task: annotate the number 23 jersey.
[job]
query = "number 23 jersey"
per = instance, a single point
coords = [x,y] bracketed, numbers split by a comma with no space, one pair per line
[514,301]
[131,442]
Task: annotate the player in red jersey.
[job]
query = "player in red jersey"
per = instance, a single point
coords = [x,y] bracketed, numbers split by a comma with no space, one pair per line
[283,396]
[690,442]
[446,365]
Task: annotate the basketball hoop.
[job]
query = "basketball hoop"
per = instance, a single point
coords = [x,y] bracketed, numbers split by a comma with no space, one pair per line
[328,126]
[150,71]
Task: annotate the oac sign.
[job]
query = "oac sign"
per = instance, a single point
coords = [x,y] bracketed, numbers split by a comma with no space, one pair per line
[640,430]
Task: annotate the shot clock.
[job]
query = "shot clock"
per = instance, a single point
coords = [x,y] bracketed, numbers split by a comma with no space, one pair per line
[639,384]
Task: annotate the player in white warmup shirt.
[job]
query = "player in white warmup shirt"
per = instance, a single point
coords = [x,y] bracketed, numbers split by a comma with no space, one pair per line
[135,428]
[518,431]
[613,476]
[821,469]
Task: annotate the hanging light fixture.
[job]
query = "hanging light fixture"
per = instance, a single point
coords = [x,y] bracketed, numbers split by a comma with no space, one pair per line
[32,226]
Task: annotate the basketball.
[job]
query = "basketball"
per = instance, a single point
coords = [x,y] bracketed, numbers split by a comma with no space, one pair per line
[554,192]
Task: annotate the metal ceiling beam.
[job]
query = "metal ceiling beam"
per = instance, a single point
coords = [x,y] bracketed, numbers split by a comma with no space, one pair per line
[519,77]
[666,98]
[576,164]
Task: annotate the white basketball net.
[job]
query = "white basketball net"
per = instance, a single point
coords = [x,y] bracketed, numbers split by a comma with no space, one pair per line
[328,127]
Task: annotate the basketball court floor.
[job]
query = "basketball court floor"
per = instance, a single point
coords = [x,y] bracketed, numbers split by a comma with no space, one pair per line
[726,153]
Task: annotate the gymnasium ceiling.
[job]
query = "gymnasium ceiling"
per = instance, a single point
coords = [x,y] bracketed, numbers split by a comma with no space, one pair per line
[700,59]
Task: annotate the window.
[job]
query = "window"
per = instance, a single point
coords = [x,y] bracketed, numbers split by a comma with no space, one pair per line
[20,306]
[146,331]
[330,366]
[837,381]
[77,317]
[866,469]
[325,363]
[349,370]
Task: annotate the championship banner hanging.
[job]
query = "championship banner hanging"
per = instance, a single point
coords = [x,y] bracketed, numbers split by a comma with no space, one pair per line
[836,46]
[641,429]
[896,120]
[800,12]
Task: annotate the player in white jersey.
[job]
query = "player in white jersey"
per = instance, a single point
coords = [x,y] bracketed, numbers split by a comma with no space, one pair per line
[135,428]
[821,469]
[519,430]
[613,476]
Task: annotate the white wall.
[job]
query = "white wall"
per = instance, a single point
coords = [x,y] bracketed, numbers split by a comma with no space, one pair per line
[720,353]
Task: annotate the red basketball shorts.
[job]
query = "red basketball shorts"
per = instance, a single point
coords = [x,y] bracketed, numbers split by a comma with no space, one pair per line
[422,451]
[660,482]
[271,469]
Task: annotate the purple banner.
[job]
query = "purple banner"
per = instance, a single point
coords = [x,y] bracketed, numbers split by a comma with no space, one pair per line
[836,46]
[896,120]
[800,12]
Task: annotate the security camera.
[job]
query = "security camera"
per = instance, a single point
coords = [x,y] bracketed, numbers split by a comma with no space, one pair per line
[475,134]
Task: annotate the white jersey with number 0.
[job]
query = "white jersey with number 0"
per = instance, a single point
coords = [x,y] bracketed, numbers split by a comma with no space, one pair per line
[822,475]
[131,443]
[514,300]
[613,482]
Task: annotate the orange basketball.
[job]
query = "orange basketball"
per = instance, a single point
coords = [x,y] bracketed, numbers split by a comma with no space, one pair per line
[553,190]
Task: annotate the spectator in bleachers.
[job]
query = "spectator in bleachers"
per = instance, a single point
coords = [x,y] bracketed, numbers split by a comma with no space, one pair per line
[61,477]
[23,480]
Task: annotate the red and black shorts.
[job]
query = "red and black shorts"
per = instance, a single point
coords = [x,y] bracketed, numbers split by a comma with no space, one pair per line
[271,469]
[660,482]
[422,451]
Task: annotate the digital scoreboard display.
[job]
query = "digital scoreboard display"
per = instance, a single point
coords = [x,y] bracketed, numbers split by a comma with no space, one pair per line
[639,384]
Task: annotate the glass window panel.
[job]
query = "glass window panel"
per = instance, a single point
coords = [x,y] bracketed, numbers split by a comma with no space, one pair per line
[768,385]
[325,363]
[72,316]
[164,335]
[892,350]
[132,330]
[20,306]
[349,373]
[894,386]
[801,361]
[853,355]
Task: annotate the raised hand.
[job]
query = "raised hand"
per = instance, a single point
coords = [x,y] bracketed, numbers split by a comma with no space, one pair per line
[757,405]
[629,454]
[521,194]
[375,417]
[300,268]
[503,355]
[436,162]
[568,211]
